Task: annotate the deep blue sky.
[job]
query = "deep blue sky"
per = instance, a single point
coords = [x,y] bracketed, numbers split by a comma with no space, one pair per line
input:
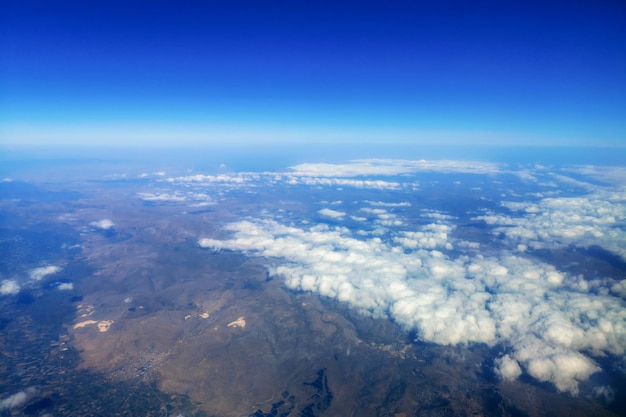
[503,72]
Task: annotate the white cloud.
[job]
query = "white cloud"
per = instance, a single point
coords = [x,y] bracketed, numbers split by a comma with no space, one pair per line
[102,224]
[38,274]
[594,219]
[615,175]
[195,199]
[392,167]
[340,182]
[333,214]
[224,179]
[432,236]
[13,401]
[508,368]
[161,197]
[548,326]
[65,286]
[9,287]
[388,204]
[432,214]
[17,399]
[383,217]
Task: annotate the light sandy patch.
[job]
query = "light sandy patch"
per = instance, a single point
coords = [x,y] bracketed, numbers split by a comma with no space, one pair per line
[204,315]
[105,325]
[84,324]
[240,322]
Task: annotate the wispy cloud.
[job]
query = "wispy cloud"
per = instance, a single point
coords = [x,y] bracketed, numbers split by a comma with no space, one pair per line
[388,204]
[392,167]
[341,182]
[193,198]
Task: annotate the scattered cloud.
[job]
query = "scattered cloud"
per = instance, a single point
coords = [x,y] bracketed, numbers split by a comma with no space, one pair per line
[194,199]
[333,214]
[102,224]
[388,204]
[382,217]
[340,182]
[38,274]
[436,215]
[227,179]
[162,197]
[9,287]
[584,221]
[65,286]
[432,236]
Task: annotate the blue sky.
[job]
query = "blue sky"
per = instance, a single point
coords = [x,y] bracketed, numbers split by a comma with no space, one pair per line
[507,73]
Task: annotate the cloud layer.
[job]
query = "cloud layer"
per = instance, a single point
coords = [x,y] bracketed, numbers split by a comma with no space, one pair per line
[392,167]
[549,326]
[434,271]
[594,219]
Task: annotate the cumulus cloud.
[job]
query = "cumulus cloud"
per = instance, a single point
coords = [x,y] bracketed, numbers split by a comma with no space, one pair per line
[549,327]
[432,236]
[508,368]
[436,215]
[9,287]
[383,217]
[102,224]
[333,214]
[65,286]
[38,274]
[593,219]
